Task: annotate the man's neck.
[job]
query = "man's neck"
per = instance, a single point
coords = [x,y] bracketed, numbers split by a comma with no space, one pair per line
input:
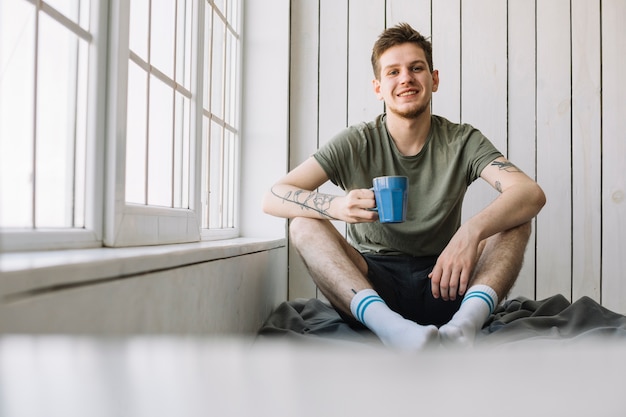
[409,135]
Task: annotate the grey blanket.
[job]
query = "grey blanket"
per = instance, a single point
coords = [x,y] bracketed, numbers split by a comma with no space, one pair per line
[515,321]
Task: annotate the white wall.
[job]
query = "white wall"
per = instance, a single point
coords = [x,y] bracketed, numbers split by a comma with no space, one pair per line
[265,111]
[543,80]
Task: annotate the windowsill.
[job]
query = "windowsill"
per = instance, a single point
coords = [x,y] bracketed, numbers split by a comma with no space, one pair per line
[28,271]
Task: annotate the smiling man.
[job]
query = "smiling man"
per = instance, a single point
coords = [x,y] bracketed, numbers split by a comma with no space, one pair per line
[431,279]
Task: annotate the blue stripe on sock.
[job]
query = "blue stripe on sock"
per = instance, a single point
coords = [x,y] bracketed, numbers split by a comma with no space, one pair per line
[360,310]
[483,296]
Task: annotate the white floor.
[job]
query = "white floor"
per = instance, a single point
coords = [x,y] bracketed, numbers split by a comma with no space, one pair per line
[160,376]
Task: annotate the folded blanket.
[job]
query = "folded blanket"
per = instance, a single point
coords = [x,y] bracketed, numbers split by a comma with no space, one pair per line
[554,318]
[519,320]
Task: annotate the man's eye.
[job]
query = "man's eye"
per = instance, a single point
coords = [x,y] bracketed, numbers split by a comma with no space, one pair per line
[418,69]
[393,72]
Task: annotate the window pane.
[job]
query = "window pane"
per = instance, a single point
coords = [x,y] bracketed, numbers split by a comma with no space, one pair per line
[138,31]
[75,10]
[181,152]
[162,36]
[160,160]
[80,151]
[183,43]
[136,135]
[233,13]
[205,154]
[221,104]
[216,158]
[217,68]
[220,4]
[160,144]
[17,43]
[208,31]
[56,124]
[229,180]
[231,79]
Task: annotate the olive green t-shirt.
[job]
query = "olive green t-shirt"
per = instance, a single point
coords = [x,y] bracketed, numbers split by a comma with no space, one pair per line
[453,157]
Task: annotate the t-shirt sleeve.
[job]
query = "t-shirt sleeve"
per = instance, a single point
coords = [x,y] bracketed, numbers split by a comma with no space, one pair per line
[335,157]
[480,152]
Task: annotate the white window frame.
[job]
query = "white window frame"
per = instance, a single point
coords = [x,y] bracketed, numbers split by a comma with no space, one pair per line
[109,220]
[132,224]
[91,234]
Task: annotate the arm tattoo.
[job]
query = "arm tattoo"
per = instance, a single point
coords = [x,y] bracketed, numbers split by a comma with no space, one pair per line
[309,200]
[506,166]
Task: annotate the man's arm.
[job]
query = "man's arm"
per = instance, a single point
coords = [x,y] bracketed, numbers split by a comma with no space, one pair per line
[294,196]
[519,201]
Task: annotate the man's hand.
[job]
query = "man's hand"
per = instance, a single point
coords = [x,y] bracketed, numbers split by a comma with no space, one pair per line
[356,207]
[455,266]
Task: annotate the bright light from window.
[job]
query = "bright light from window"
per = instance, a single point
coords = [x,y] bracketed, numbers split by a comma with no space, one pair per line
[159,101]
[43,108]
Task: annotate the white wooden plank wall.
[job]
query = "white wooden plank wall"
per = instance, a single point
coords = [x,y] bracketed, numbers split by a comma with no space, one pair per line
[542,79]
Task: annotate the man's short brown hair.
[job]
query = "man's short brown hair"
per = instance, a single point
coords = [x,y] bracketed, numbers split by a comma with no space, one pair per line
[397,35]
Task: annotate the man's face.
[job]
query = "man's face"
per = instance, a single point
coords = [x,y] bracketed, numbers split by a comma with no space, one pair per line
[406,83]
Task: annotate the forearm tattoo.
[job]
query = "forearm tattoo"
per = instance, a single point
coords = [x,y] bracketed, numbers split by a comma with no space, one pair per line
[309,200]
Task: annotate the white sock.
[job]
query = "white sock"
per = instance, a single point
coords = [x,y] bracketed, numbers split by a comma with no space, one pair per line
[478,303]
[390,327]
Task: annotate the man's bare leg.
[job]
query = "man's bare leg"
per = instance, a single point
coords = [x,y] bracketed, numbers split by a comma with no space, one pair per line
[499,264]
[340,272]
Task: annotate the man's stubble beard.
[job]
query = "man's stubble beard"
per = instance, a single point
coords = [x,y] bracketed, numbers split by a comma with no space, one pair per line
[412,114]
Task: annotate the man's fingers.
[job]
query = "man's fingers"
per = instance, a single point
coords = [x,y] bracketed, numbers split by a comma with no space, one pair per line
[444,285]
[435,277]
[449,284]
[464,283]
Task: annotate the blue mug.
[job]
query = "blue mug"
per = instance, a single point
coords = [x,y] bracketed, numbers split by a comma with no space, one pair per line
[391,198]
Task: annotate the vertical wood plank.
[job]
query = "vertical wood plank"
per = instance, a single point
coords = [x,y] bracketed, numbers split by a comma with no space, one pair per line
[484,83]
[414,12]
[586,149]
[614,155]
[554,234]
[303,121]
[446,39]
[364,26]
[521,105]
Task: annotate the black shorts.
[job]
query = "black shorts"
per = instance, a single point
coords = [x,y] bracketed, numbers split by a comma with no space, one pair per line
[402,281]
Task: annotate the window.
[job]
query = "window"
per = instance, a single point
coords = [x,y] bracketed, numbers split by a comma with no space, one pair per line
[49,113]
[220,116]
[171,133]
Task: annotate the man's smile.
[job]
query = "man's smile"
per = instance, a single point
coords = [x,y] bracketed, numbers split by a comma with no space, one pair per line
[407,93]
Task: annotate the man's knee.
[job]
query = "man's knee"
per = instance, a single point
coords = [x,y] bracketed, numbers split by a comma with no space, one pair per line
[302,229]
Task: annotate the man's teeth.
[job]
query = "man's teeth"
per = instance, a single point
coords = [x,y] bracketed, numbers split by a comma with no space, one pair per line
[408,93]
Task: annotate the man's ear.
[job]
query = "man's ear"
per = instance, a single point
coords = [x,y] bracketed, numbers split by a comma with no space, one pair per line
[435,80]
[376,85]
